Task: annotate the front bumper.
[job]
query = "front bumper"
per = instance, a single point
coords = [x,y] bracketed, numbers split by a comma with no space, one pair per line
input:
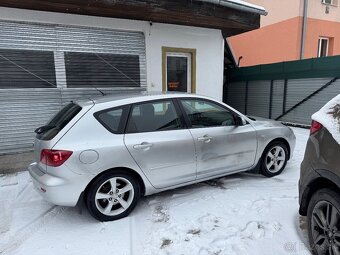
[58,190]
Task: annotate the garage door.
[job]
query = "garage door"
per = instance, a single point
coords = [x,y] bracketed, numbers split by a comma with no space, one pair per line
[43,66]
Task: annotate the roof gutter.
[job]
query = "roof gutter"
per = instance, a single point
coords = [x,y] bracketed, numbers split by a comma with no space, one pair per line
[238,5]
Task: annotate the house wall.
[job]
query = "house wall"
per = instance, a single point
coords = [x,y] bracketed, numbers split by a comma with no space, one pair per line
[322,28]
[279,38]
[317,10]
[209,44]
[272,43]
[279,10]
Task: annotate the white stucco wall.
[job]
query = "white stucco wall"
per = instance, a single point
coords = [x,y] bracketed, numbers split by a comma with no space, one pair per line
[208,43]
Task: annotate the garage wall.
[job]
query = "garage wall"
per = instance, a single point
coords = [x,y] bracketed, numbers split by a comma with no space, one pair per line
[208,43]
[44,66]
[24,109]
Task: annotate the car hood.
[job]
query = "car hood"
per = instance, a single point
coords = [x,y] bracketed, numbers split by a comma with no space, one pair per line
[265,122]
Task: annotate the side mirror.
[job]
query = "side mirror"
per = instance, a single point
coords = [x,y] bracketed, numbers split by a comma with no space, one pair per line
[239,121]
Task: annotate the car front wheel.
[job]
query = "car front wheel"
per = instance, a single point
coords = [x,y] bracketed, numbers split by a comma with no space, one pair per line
[323,218]
[274,159]
[112,196]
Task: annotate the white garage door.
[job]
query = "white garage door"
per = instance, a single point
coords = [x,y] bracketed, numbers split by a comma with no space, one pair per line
[43,66]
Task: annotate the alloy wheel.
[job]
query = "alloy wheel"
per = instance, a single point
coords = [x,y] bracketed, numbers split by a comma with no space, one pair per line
[275,159]
[325,229]
[114,196]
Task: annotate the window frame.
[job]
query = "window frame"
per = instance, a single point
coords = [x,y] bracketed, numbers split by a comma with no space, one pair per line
[71,59]
[321,38]
[123,121]
[29,55]
[187,119]
[192,52]
[332,3]
[177,109]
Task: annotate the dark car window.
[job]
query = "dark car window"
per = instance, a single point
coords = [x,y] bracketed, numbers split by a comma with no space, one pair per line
[153,116]
[58,122]
[111,119]
[202,113]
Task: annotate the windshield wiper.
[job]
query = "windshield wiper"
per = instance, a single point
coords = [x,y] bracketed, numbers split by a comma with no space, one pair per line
[43,129]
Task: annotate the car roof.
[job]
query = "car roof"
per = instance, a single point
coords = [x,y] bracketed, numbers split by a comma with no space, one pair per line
[135,97]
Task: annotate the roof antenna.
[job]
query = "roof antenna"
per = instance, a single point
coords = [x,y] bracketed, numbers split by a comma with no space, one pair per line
[101,92]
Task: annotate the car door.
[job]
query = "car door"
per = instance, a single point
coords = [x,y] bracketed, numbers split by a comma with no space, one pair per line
[160,143]
[221,145]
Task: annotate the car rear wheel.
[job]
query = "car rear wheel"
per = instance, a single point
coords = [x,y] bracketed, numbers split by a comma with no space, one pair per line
[323,218]
[274,159]
[113,196]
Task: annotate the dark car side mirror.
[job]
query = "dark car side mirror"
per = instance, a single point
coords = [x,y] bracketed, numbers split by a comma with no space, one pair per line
[238,121]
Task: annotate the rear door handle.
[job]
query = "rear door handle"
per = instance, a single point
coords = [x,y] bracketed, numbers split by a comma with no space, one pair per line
[205,139]
[143,146]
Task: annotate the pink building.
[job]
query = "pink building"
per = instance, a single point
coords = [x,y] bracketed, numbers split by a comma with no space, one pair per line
[282,37]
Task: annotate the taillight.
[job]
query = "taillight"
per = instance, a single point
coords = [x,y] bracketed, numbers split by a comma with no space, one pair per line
[315,127]
[54,158]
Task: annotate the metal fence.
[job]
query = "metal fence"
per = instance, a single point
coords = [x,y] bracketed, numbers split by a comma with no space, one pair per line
[288,91]
[292,100]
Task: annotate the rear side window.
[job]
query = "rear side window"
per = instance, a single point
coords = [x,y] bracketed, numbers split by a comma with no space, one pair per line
[58,122]
[113,119]
[154,116]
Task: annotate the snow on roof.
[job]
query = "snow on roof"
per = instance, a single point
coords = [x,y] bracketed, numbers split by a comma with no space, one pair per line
[329,117]
[238,4]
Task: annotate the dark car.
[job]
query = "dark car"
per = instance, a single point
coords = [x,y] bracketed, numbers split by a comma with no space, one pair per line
[319,187]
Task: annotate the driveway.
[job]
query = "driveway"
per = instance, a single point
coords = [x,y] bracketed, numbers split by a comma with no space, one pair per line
[238,214]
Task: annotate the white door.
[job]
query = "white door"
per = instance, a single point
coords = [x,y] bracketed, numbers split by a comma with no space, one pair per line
[178,72]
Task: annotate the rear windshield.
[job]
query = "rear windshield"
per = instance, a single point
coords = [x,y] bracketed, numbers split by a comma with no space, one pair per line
[58,122]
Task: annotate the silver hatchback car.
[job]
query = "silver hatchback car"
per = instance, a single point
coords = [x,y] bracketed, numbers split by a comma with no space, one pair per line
[111,151]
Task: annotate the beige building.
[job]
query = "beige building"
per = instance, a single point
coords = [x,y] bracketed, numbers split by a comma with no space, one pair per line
[282,37]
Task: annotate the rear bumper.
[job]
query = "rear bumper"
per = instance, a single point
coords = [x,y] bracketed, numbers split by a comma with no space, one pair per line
[57,190]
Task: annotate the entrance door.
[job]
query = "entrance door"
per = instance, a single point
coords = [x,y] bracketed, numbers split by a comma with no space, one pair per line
[178,72]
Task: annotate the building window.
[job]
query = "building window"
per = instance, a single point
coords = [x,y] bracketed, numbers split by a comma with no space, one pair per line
[101,70]
[179,69]
[323,47]
[27,69]
[330,2]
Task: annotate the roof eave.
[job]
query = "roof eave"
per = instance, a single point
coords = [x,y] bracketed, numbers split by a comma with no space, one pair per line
[238,6]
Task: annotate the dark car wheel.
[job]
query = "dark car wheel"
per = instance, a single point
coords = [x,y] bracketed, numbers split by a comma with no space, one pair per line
[323,217]
[274,159]
[113,196]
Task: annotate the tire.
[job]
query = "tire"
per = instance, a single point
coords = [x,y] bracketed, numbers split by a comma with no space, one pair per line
[106,204]
[320,239]
[272,164]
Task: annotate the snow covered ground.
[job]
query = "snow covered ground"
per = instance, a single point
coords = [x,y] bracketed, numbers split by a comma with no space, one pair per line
[238,214]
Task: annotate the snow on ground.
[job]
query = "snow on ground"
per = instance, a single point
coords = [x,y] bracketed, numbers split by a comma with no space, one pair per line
[238,214]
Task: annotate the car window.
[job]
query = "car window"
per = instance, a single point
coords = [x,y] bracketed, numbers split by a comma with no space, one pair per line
[202,113]
[58,122]
[153,116]
[111,119]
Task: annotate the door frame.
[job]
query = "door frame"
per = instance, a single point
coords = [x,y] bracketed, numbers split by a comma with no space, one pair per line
[192,52]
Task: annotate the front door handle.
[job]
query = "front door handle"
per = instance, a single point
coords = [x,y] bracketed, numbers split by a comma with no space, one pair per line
[143,146]
[205,139]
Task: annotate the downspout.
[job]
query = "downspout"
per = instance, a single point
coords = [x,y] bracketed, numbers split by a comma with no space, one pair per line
[304,28]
